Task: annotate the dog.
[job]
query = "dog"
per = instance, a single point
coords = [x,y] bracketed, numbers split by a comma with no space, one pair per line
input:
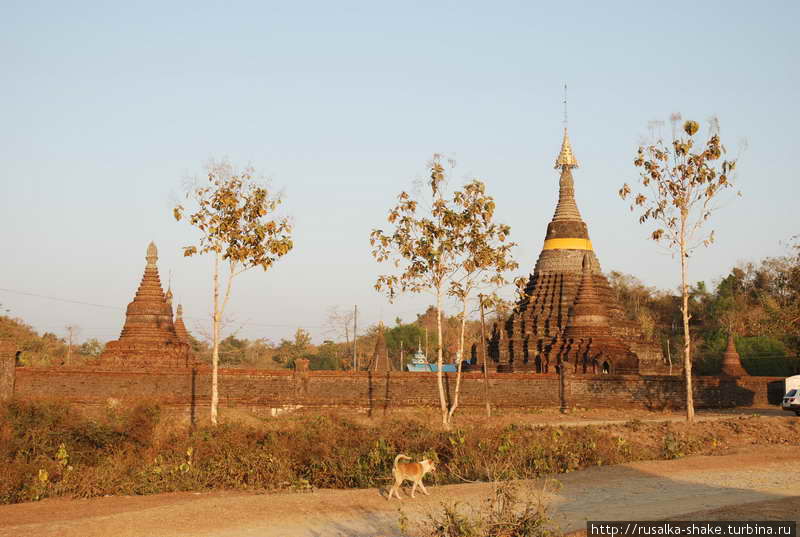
[411,471]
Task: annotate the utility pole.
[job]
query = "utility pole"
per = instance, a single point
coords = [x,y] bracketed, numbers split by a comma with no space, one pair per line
[71,331]
[355,337]
[484,364]
[401,355]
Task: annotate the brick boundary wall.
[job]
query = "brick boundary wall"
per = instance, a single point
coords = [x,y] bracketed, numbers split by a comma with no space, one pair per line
[8,361]
[271,392]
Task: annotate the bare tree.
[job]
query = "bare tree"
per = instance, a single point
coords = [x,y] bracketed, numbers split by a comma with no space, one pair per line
[339,323]
[72,336]
[679,186]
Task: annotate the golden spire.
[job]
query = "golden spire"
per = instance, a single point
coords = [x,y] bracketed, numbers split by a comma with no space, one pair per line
[566,159]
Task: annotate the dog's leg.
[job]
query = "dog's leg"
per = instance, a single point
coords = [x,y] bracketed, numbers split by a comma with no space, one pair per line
[413,488]
[422,486]
[398,483]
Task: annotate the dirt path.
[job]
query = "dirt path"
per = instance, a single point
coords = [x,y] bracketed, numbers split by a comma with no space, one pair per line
[728,484]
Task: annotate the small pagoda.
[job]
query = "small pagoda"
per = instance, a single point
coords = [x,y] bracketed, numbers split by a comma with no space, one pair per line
[569,312]
[731,361]
[149,337]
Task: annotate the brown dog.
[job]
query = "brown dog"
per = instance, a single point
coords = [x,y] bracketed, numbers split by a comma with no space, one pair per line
[411,471]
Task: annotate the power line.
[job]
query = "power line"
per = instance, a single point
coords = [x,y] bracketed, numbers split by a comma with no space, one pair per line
[104,306]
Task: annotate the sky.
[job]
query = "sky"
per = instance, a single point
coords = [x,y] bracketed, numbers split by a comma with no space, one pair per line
[107,108]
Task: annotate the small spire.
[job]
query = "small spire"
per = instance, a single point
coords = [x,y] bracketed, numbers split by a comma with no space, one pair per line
[152,254]
[168,296]
[179,312]
[566,159]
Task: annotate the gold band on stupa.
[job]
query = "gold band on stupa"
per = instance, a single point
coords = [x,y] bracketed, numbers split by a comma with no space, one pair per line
[567,244]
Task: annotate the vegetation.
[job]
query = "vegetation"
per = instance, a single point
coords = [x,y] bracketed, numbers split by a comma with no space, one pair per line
[447,247]
[679,186]
[756,301]
[47,349]
[503,514]
[237,224]
[50,449]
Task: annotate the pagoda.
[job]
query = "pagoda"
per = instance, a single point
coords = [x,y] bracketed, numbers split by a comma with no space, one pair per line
[180,327]
[149,337]
[731,361]
[569,312]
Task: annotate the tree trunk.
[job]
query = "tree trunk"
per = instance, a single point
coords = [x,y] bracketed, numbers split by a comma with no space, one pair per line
[215,345]
[454,405]
[687,355]
[485,364]
[440,361]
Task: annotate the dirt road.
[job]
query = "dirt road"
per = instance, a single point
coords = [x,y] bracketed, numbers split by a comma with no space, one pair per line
[728,484]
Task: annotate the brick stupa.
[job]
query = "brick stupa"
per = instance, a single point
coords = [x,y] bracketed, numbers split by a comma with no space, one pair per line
[148,338]
[588,344]
[731,361]
[537,335]
[180,328]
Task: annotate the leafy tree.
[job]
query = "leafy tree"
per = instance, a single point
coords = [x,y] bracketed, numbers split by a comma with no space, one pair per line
[408,335]
[290,350]
[444,246]
[91,347]
[426,248]
[325,358]
[679,185]
[233,351]
[485,258]
[235,216]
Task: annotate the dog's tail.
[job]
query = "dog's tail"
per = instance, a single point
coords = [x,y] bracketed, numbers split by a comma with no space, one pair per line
[400,456]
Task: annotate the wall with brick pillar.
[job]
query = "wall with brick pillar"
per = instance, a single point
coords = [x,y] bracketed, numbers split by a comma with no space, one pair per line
[8,363]
[272,392]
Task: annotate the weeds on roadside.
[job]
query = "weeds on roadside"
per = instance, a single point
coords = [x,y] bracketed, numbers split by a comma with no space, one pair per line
[503,514]
[50,449]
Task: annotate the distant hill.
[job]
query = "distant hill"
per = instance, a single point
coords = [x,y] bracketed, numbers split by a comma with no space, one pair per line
[37,350]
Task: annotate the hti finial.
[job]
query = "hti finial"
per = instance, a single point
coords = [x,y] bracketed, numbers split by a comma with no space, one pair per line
[566,159]
[152,254]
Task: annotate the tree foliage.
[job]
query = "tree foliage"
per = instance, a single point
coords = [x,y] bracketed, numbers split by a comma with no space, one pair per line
[235,215]
[446,246]
[679,184]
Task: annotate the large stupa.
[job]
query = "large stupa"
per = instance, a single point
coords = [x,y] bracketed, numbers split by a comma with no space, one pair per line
[569,312]
[149,338]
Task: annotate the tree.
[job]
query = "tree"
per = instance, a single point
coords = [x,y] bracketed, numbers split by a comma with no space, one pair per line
[447,247]
[424,246]
[91,347]
[290,350]
[72,335]
[679,187]
[485,257]
[340,323]
[235,215]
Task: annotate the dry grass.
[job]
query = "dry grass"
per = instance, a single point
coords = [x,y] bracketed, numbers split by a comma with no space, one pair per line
[51,449]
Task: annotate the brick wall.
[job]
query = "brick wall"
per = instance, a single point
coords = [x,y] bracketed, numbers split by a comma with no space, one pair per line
[8,358]
[270,392]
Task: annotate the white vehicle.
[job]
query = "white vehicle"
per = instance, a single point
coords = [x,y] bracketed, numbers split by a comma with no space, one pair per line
[791,400]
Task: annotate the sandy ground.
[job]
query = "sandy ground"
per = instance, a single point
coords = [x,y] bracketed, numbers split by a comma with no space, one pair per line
[753,484]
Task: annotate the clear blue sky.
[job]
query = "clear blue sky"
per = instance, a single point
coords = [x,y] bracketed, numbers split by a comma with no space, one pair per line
[106,107]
